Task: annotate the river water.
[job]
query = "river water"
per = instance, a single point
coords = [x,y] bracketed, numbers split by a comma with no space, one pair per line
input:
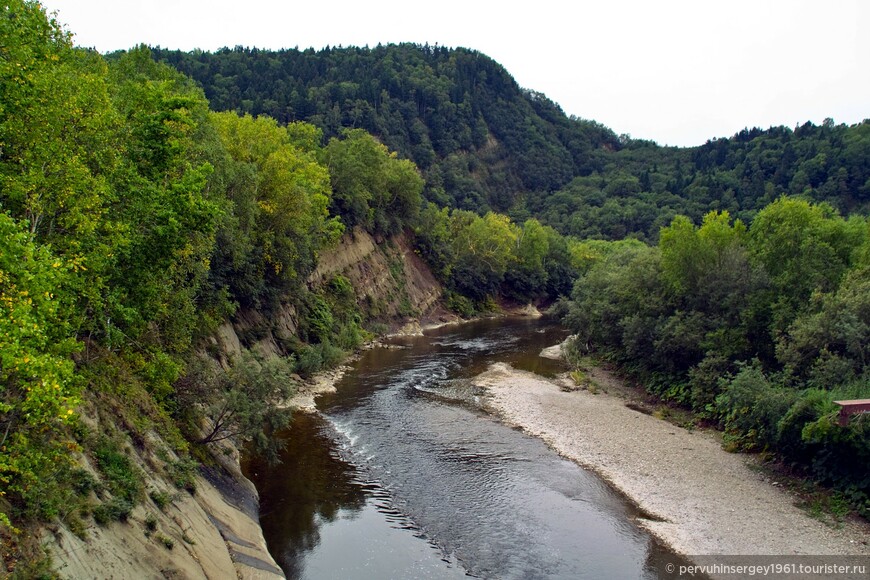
[402,475]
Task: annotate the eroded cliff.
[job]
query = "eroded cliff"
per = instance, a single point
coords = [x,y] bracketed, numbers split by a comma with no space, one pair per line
[211,528]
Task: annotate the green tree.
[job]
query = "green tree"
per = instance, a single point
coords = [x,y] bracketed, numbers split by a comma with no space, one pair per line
[243,403]
[830,344]
[372,187]
[280,195]
[164,218]
[38,387]
[527,278]
[804,247]
[484,249]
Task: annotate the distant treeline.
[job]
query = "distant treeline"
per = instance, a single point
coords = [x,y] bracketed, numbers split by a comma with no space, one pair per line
[643,186]
[483,143]
[480,140]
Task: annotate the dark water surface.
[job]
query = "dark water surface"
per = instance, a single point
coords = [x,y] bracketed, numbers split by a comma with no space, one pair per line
[404,477]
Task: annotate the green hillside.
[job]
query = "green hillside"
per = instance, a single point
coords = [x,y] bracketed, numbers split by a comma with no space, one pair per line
[482,142]
[140,211]
[479,138]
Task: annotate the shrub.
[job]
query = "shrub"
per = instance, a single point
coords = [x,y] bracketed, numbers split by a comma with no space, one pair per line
[183,474]
[120,477]
[167,542]
[309,360]
[160,498]
[751,408]
[460,304]
[82,482]
[116,509]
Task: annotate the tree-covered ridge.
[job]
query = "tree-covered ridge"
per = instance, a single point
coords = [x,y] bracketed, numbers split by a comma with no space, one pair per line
[484,143]
[479,138]
[643,186]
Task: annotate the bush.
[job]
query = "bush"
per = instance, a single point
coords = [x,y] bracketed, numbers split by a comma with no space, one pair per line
[330,355]
[705,381]
[317,320]
[160,498]
[167,542]
[116,509]
[809,407]
[460,304]
[120,477]
[309,360]
[183,474]
[82,482]
[350,337]
[751,407]
[840,455]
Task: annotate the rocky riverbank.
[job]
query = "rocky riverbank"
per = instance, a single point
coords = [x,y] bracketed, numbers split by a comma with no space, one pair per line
[698,499]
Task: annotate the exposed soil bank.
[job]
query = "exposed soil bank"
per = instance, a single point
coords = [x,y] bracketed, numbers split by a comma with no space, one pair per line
[701,500]
[212,534]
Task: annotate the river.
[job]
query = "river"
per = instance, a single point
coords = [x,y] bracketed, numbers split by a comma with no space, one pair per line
[401,475]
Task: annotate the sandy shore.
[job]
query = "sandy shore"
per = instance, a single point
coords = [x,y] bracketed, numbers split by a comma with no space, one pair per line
[700,499]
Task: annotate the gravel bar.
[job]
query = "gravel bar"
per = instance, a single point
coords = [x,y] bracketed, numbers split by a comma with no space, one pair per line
[699,499]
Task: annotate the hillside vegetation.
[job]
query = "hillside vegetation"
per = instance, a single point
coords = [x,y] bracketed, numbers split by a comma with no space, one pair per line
[724,277]
[140,210]
[757,328]
[134,221]
[479,139]
[482,142]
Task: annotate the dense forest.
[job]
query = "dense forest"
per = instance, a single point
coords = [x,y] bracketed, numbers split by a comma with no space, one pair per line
[757,328]
[134,221]
[479,139]
[140,208]
[483,143]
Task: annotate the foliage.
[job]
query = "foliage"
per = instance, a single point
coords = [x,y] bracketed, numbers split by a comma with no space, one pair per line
[38,386]
[641,187]
[121,479]
[279,195]
[804,248]
[372,187]
[760,329]
[478,137]
[485,144]
[125,206]
[243,403]
[484,256]
[165,220]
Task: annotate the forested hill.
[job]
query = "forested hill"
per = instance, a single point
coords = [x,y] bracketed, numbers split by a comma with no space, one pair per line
[478,137]
[643,186]
[483,142]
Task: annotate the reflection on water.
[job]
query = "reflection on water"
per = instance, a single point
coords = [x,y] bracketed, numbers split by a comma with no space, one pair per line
[404,477]
[318,513]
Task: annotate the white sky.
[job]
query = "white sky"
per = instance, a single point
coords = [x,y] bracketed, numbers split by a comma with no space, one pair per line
[677,72]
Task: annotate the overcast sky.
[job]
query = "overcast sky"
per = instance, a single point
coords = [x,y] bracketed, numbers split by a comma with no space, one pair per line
[676,72]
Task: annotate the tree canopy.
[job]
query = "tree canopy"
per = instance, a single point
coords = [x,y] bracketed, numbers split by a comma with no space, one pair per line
[760,329]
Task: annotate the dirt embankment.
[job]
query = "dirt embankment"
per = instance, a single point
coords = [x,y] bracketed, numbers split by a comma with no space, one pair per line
[700,499]
[215,533]
[210,534]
